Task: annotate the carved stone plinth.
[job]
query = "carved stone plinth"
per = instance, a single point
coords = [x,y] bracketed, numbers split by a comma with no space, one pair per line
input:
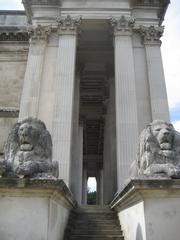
[34,209]
[149,209]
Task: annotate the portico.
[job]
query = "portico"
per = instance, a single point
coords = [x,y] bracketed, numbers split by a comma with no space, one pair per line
[93,75]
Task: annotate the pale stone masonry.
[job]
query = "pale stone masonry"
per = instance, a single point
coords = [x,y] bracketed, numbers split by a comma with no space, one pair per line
[64,93]
[126,104]
[93,73]
[32,82]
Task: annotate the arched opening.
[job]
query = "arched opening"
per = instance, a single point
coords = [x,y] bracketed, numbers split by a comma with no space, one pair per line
[91,191]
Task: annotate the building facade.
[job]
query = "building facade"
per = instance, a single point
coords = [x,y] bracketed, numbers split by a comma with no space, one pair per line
[93,72]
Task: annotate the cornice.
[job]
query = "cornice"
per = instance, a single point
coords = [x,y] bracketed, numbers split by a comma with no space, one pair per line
[42,2]
[149,3]
[12,12]
[53,188]
[29,3]
[161,5]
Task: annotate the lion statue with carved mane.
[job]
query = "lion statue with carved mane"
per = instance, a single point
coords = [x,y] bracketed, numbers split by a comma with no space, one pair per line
[28,151]
[159,151]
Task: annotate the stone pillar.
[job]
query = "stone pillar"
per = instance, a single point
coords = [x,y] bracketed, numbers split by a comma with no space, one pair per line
[84,190]
[109,156]
[125,92]
[29,105]
[77,148]
[64,95]
[100,187]
[80,159]
[158,96]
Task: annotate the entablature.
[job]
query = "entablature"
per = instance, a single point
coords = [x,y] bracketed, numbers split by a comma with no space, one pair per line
[36,10]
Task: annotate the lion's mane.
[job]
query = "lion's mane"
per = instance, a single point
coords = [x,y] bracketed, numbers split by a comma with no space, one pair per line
[150,151]
[40,157]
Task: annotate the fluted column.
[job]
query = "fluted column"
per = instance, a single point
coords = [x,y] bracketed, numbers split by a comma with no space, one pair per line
[109,154]
[77,147]
[84,188]
[64,93]
[159,104]
[100,187]
[125,92]
[32,82]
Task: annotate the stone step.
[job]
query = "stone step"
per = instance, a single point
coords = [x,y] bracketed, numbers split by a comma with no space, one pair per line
[99,227]
[94,210]
[97,232]
[95,214]
[95,237]
[94,223]
[95,217]
[98,222]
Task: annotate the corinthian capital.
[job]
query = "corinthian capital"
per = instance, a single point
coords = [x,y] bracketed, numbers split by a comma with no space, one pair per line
[151,35]
[122,25]
[68,25]
[39,32]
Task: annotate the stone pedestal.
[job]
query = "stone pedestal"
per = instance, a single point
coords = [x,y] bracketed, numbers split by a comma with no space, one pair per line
[149,209]
[34,209]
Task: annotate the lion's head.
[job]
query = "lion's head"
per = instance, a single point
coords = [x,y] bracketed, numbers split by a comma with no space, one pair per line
[163,132]
[29,144]
[29,134]
[157,146]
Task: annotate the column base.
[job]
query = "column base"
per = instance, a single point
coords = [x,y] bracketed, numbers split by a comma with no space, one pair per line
[149,209]
[34,209]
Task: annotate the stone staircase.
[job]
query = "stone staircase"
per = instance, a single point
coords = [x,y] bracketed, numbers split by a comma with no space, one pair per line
[93,223]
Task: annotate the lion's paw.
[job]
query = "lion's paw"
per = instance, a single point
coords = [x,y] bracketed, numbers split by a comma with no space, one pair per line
[25,169]
[3,167]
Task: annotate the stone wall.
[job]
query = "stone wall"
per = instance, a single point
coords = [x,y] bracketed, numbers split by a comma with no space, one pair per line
[34,209]
[14,47]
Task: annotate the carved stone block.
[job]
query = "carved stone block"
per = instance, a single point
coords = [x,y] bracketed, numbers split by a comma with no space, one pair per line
[28,151]
[159,151]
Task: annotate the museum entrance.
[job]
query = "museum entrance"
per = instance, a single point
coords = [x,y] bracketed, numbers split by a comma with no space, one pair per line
[95,61]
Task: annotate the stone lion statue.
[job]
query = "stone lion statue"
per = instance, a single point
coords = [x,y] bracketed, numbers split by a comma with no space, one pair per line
[159,151]
[28,151]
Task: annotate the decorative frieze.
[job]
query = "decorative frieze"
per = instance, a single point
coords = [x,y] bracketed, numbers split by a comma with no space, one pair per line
[9,112]
[68,25]
[149,3]
[122,25]
[39,32]
[151,35]
[14,36]
[41,2]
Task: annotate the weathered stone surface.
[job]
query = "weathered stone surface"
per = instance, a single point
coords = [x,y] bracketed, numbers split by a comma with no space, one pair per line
[149,209]
[159,151]
[34,208]
[28,151]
